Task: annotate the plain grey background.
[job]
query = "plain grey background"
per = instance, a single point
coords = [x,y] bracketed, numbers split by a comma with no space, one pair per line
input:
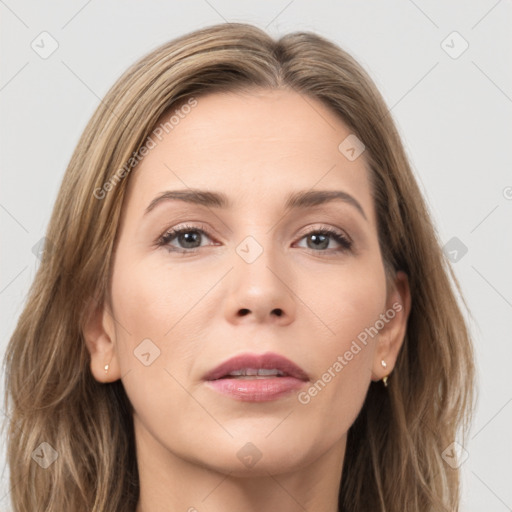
[443,68]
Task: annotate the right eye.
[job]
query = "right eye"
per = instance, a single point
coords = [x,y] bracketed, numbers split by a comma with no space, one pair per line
[187,236]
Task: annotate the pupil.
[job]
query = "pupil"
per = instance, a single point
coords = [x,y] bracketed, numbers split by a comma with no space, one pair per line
[319,238]
[187,238]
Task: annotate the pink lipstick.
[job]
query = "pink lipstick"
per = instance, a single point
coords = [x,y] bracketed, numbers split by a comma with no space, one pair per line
[256,377]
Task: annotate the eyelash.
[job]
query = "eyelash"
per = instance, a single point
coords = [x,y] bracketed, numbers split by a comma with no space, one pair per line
[168,236]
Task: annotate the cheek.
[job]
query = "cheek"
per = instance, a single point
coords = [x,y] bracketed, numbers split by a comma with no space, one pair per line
[350,303]
[343,300]
[155,338]
[156,307]
[150,299]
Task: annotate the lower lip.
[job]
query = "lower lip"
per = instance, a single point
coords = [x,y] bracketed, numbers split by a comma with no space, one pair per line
[256,390]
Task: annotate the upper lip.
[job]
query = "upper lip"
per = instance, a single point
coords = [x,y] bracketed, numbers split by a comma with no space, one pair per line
[266,361]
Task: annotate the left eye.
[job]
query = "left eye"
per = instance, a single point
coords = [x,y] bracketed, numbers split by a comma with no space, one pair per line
[320,238]
[189,237]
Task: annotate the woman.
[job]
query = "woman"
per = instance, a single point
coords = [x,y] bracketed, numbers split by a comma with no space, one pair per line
[246,306]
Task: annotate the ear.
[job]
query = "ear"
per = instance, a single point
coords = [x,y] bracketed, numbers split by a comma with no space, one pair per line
[392,335]
[99,335]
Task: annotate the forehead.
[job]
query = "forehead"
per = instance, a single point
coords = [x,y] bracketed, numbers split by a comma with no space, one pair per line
[256,146]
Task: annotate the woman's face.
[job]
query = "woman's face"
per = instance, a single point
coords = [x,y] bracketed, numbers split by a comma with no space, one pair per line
[250,277]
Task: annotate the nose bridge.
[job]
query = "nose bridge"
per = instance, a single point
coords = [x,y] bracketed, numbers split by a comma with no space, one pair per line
[259,280]
[257,261]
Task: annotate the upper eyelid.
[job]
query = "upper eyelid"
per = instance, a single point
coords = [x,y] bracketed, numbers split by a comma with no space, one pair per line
[206,229]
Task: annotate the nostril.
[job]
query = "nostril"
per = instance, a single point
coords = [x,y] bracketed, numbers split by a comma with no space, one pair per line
[244,312]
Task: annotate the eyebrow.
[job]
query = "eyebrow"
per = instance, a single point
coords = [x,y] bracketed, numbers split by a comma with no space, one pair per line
[295,201]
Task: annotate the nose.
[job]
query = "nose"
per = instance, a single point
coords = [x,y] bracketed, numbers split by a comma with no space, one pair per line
[260,292]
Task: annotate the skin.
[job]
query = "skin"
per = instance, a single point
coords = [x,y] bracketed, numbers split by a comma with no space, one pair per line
[255,147]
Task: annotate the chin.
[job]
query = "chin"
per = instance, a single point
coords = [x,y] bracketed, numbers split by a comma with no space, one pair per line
[275,463]
[255,456]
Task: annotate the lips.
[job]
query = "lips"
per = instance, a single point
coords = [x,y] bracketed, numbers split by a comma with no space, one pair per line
[257,378]
[257,366]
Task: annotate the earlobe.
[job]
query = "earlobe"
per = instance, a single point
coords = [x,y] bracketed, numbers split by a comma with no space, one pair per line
[99,336]
[392,336]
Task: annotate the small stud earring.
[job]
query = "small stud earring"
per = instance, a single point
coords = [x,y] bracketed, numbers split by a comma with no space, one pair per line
[106,368]
[384,379]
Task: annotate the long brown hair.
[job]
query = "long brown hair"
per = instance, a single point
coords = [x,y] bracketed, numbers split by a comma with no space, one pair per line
[394,451]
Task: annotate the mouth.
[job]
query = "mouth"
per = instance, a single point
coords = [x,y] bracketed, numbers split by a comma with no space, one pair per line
[254,373]
[256,377]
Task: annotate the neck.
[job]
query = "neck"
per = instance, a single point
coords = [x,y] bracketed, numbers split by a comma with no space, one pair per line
[171,483]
